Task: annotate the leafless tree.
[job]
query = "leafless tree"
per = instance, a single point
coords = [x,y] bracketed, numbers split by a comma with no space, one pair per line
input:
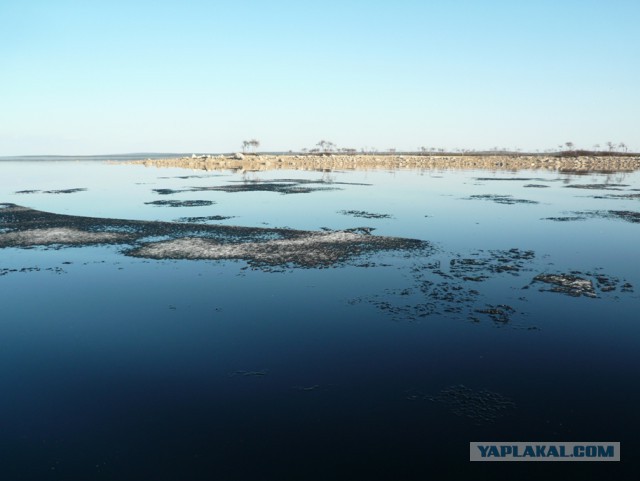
[245,145]
[569,146]
[623,147]
[326,146]
[611,146]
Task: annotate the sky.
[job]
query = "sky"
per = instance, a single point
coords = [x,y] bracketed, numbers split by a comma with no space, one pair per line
[106,77]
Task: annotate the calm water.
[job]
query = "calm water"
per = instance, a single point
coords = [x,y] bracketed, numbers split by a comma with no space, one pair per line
[116,368]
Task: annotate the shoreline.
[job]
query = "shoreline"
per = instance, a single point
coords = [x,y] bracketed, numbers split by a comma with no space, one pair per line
[331,162]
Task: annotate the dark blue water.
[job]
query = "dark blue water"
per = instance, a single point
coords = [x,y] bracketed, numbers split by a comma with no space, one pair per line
[115,368]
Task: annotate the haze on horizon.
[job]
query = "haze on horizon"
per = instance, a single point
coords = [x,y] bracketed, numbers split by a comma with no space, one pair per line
[80,78]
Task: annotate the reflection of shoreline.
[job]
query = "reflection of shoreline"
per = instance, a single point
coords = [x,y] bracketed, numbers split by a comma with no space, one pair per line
[419,162]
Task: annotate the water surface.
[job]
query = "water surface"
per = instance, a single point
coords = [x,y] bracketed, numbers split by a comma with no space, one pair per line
[116,367]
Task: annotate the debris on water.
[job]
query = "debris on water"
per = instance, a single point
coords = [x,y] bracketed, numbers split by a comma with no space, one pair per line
[625,215]
[64,191]
[196,220]
[263,248]
[440,292]
[23,270]
[364,214]
[500,313]
[357,230]
[167,191]
[296,248]
[597,186]
[511,261]
[565,218]
[536,186]
[500,199]
[480,406]
[618,196]
[281,186]
[569,284]
[181,203]
[626,287]
[60,191]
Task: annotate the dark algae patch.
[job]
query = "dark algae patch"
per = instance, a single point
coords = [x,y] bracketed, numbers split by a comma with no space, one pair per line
[577,284]
[260,247]
[463,288]
[61,191]
[364,215]
[500,199]
[181,203]
[480,266]
[597,186]
[167,191]
[280,186]
[625,215]
[56,270]
[453,287]
[500,313]
[618,196]
[209,218]
[566,218]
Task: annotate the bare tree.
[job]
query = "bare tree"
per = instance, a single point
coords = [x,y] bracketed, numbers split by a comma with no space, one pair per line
[611,146]
[254,144]
[623,146]
[245,145]
[596,147]
[326,146]
[569,146]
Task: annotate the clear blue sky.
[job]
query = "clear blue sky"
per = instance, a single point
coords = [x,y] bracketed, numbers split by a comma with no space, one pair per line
[89,77]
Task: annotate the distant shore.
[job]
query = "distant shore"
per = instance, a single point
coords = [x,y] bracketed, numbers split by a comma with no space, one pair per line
[330,162]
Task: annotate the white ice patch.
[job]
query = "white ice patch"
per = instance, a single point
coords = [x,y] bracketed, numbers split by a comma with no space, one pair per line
[56,235]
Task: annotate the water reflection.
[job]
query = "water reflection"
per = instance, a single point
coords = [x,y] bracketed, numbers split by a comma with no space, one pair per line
[173,368]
